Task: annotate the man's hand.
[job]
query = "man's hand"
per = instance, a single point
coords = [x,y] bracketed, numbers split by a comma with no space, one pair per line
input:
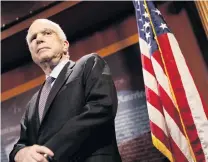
[33,153]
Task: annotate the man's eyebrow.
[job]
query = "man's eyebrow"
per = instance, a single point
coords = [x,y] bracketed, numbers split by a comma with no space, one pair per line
[47,29]
[41,31]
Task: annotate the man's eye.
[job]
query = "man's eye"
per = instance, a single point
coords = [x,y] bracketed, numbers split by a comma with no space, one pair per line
[32,38]
[47,32]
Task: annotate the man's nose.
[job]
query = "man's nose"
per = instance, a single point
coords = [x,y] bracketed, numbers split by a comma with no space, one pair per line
[39,38]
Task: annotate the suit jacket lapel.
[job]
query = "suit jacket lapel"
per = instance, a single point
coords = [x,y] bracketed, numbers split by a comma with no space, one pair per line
[64,74]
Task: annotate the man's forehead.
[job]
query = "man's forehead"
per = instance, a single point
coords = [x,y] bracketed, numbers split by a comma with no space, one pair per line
[40,26]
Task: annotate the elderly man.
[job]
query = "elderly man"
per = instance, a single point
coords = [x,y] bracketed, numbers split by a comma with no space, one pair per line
[71,117]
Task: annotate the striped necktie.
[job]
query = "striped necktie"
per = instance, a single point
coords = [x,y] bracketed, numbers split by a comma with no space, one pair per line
[44,95]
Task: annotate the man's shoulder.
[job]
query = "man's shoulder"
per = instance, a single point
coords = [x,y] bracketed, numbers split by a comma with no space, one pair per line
[90,59]
[88,63]
[88,56]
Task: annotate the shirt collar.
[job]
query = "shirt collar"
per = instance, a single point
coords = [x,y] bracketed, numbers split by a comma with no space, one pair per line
[56,71]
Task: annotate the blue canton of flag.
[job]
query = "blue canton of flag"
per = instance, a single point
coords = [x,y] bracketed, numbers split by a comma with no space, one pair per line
[144,25]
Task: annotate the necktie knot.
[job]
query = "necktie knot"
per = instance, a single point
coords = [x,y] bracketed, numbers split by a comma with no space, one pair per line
[49,80]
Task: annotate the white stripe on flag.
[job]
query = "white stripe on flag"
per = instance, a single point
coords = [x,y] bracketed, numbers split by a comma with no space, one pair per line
[156,117]
[150,81]
[144,49]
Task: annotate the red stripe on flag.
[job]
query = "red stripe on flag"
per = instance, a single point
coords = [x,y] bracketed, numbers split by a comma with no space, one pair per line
[153,99]
[147,64]
[180,95]
[205,106]
[157,57]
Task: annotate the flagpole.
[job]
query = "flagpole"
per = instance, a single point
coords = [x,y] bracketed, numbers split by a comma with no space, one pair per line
[171,89]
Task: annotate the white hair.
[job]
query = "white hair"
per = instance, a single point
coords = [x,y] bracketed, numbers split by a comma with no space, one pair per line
[56,26]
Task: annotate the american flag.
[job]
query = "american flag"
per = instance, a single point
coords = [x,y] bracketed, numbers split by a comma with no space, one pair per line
[178,116]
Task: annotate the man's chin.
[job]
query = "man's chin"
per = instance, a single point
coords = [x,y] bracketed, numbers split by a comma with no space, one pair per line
[45,60]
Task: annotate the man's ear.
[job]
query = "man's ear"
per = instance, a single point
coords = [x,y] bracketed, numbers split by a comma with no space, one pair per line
[66,46]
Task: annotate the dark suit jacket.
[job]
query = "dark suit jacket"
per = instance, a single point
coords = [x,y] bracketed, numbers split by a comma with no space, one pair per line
[78,121]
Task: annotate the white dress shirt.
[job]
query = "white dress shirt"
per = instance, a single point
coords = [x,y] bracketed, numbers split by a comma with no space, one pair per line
[56,71]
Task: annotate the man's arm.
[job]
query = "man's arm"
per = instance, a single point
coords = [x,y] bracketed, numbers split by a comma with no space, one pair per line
[24,153]
[22,142]
[100,110]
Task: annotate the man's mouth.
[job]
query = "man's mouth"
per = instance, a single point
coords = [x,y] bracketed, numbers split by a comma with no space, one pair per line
[42,48]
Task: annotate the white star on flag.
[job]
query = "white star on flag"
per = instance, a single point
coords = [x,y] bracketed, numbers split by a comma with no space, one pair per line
[163,26]
[149,45]
[145,15]
[157,11]
[146,24]
[147,35]
[138,2]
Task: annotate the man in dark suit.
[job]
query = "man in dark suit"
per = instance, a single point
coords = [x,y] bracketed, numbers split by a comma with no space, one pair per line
[71,117]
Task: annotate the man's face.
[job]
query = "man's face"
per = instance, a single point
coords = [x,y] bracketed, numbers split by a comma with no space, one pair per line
[44,43]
